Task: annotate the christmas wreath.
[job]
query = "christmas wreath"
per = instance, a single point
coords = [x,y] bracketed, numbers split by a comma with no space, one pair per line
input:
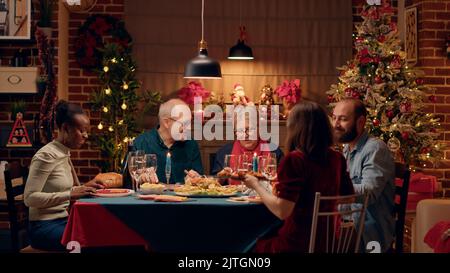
[94,33]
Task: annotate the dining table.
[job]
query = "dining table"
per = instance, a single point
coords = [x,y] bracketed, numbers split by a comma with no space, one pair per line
[203,224]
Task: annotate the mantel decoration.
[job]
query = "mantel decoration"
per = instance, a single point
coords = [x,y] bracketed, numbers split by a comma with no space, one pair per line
[97,30]
[266,95]
[238,96]
[192,90]
[290,94]
[19,134]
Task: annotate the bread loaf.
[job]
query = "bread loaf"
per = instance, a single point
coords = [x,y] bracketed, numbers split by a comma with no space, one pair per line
[110,180]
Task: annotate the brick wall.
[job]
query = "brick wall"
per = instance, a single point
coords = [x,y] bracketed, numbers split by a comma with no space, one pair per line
[433,29]
[33,101]
[434,26]
[82,82]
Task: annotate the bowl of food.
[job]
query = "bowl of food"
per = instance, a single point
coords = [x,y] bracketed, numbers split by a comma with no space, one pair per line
[151,188]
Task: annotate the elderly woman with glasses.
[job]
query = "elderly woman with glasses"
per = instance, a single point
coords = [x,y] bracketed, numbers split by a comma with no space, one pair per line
[247,141]
[170,136]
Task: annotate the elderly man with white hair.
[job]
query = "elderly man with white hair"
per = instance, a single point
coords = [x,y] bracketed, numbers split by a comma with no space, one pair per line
[169,136]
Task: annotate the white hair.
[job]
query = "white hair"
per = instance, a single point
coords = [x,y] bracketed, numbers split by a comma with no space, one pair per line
[165,109]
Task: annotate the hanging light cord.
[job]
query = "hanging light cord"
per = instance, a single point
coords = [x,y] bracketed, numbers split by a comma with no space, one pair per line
[203,11]
[240,13]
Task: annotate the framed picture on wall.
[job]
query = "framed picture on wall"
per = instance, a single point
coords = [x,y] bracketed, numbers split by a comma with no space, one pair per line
[411,35]
[15,19]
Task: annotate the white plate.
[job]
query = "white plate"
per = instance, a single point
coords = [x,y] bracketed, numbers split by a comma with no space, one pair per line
[111,193]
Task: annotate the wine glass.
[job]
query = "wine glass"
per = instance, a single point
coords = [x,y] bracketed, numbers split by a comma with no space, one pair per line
[270,168]
[151,162]
[136,164]
[243,163]
[230,162]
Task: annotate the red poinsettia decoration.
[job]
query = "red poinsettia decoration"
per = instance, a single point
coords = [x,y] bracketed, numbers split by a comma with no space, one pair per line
[289,91]
[192,90]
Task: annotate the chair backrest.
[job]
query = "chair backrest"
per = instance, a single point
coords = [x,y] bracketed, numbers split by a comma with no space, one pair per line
[401,197]
[344,223]
[13,171]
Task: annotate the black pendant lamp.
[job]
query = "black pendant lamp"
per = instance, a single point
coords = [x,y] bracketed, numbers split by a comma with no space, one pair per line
[241,51]
[202,66]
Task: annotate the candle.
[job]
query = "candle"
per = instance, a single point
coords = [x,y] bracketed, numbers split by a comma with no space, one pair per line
[168,166]
[255,162]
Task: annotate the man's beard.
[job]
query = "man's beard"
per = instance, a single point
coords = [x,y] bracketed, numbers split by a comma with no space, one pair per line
[348,136]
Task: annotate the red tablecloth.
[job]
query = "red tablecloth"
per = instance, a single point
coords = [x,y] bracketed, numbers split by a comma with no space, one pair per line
[91,225]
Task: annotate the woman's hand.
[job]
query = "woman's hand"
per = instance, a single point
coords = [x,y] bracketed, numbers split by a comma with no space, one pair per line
[95,183]
[250,181]
[80,191]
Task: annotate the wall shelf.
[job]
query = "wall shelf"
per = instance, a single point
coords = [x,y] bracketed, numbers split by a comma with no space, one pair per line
[18,80]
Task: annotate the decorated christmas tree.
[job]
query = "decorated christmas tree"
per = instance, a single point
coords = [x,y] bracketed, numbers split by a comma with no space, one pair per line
[393,92]
[116,100]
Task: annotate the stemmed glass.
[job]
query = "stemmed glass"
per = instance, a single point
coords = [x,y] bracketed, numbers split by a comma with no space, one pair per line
[230,162]
[269,170]
[136,164]
[151,162]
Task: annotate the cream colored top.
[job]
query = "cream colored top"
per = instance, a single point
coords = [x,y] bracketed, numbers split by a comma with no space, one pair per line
[50,180]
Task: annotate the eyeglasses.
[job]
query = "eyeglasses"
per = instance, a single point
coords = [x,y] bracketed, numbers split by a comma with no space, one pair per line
[183,124]
[246,130]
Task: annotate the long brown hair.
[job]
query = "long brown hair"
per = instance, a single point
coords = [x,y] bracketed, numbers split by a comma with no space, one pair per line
[309,130]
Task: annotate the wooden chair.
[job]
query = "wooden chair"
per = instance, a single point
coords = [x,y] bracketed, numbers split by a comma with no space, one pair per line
[342,234]
[13,171]
[401,197]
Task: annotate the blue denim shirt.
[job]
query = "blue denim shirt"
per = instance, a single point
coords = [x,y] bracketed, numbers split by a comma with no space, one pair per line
[372,170]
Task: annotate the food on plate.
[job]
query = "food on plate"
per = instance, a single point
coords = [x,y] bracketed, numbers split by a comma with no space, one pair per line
[150,188]
[225,173]
[246,199]
[111,191]
[256,174]
[204,186]
[239,175]
[110,180]
[163,198]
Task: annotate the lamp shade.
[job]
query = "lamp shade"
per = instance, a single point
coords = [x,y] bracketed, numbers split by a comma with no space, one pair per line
[202,67]
[241,51]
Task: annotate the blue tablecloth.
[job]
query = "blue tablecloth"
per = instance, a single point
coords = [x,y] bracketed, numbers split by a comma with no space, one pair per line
[198,225]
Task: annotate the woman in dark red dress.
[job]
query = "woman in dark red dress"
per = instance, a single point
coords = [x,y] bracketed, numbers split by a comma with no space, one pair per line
[310,166]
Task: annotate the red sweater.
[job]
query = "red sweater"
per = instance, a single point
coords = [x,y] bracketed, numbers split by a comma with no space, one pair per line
[299,179]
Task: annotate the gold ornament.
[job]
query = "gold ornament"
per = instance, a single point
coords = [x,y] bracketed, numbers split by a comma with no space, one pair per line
[266,95]
[108,91]
[124,106]
[105,109]
[106,69]
[393,144]
[111,129]
[100,126]
[125,86]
